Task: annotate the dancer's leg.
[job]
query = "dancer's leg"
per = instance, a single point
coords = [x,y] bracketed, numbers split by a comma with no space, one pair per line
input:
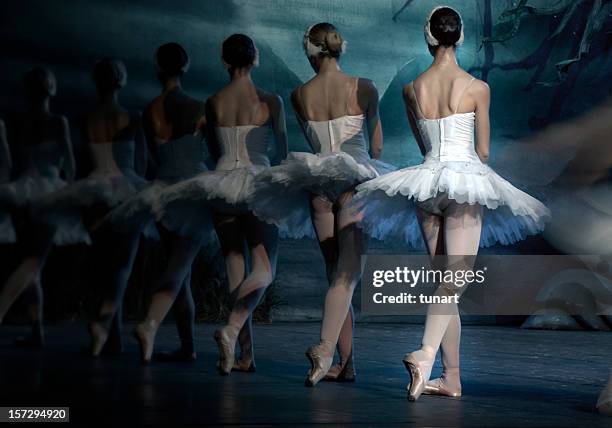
[323,219]
[184,316]
[26,275]
[462,226]
[232,241]
[37,241]
[351,245]
[250,291]
[183,251]
[118,257]
[604,402]
[246,361]
[33,296]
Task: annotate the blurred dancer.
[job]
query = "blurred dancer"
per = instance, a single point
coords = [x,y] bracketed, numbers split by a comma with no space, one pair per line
[173,124]
[43,151]
[242,120]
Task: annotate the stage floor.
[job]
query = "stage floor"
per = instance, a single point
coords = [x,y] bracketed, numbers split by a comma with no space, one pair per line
[511,377]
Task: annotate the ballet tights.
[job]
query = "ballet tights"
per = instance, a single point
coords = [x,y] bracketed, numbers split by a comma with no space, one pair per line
[248,279]
[174,286]
[342,244]
[26,279]
[457,231]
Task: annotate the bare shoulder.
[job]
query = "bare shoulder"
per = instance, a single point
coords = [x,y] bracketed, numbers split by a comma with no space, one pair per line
[408,90]
[368,86]
[295,95]
[480,89]
[274,101]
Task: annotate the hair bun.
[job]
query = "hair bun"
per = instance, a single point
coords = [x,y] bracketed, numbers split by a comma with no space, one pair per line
[238,51]
[333,42]
[172,59]
[110,74]
[444,27]
[323,39]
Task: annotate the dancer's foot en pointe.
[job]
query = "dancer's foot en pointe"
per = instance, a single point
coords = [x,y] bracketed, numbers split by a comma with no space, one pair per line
[604,403]
[145,334]
[419,365]
[226,341]
[448,385]
[99,336]
[321,357]
[343,371]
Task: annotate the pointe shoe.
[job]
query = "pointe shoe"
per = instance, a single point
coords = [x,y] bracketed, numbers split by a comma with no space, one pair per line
[439,387]
[226,340]
[145,334]
[99,335]
[604,403]
[244,366]
[319,364]
[342,372]
[419,370]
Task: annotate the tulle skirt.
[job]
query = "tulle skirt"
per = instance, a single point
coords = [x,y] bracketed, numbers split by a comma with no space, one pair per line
[223,191]
[26,194]
[388,202]
[281,194]
[144,209]
[64,209]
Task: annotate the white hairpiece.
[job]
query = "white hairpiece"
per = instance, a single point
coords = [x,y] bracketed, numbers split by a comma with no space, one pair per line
[313,50]
[429,37]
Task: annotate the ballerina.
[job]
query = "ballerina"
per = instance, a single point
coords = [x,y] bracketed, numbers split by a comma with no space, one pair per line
[114,251]
[173,124]
[460,202]
[334,110]
[43,151]
[241,120]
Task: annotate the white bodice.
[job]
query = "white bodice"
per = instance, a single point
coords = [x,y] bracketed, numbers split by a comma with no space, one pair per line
[345,133]
[103,159]
[242,146]
[449,139]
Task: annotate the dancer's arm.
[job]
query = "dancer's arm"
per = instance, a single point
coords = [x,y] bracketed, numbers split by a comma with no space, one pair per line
[211,136]
[141,157]
[482,97]
[409,103]
[296,102]
[5,153]
[367,90]
[68,165]
[277,112]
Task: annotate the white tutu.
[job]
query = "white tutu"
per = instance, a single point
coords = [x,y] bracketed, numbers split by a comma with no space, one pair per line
[226,191]
[64,208]
[28,192]
[282,193]
[388,202]
[141,211]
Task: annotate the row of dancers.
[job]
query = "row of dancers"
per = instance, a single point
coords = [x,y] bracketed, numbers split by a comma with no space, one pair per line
[340,193]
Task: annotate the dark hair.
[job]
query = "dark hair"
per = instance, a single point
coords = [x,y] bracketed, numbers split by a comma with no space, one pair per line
[445,25]
[172,59]
[109,74]
[39,82]
[327,37]
[238,51]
